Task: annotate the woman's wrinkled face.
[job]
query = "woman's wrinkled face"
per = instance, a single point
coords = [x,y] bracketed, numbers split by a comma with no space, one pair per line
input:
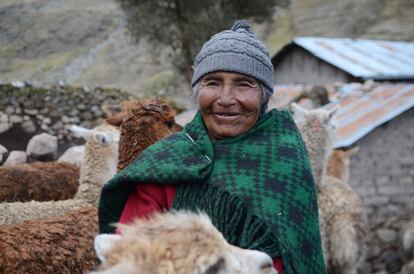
[229,103]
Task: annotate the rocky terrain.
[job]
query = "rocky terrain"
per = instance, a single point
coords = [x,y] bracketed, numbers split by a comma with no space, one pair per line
[371,19]
[86,43]
[82,43]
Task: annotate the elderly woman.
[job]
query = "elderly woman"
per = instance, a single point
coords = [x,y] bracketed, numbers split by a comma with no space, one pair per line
[245,167]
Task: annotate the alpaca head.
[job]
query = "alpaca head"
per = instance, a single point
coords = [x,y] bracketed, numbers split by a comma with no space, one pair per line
[338,163]
[100,158]
[178,242]
[317,127]
[143,123]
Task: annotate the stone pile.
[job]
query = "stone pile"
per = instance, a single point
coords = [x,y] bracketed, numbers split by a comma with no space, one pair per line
[42,147]
[384,255]
[51,110]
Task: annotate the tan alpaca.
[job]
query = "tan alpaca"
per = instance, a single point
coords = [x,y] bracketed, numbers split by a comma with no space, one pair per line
[343,218]
[337,161]
[176,243]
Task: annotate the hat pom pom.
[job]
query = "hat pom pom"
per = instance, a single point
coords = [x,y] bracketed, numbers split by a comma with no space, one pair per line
[241,24]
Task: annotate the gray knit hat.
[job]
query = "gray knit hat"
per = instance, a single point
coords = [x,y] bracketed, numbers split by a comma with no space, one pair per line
[235,50]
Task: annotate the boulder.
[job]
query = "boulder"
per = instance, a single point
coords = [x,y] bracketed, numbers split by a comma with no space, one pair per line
[28,126]
[16,157]
[3,154]
[73,155]
[408,268]
[4,127]
[42,147]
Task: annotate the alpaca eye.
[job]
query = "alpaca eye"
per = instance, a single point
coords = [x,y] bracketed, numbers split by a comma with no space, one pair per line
[103,138]
[215,268]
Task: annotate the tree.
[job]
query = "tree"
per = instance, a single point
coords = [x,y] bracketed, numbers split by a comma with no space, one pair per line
[184,25]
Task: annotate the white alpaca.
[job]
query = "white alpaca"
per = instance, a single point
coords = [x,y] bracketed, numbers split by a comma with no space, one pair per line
[176,243]
[318,132]
[99,165]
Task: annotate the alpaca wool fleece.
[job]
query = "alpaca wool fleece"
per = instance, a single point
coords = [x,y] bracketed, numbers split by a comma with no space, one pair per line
[61,244]
[50,181]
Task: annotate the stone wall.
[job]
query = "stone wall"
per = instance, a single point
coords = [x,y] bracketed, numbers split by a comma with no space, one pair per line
[27,111]
[382,174]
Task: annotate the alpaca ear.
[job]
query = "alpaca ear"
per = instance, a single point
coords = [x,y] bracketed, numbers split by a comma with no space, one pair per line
[80,132]
[298,109]
[352,151]
[333,110]
[103,243]
[117,119]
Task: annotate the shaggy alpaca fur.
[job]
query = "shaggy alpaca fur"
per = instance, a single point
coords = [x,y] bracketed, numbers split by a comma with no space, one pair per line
[179,243]
[99,163]
[70,248]
[344,222]
[318,133]
[101,159]
[142,123]
[38,181]
[61,244]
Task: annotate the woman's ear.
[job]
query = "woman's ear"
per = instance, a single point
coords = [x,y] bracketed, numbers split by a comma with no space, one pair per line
[103,243]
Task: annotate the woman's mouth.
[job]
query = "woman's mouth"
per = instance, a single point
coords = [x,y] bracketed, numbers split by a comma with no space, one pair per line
[226,116]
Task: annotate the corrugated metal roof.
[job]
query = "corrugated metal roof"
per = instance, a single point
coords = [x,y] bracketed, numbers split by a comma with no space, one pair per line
[360,114]
[361,110]
[366,59]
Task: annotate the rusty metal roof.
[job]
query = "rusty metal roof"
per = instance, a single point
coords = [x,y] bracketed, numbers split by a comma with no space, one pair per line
[363,108]
[362,58]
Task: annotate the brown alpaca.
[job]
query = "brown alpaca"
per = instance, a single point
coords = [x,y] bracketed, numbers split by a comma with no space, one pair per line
[344,222]
[38,181]
[176,243]
[62,244]
[142,123]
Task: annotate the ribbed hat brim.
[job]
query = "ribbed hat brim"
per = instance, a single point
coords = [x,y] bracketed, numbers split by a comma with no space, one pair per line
[233,62]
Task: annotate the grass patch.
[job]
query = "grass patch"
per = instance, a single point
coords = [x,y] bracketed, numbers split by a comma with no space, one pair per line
[158,82]
[282,32]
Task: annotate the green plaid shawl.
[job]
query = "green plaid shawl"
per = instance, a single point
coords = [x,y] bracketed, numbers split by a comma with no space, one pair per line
[257,187]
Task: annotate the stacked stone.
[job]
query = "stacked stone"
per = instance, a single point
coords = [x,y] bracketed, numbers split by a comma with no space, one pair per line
[51,110]
[384,255]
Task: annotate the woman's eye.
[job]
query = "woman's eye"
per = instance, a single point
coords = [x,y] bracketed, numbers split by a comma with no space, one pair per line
[245,84]
[212,83]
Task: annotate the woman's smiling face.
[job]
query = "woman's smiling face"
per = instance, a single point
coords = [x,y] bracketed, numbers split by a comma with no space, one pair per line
[229,103]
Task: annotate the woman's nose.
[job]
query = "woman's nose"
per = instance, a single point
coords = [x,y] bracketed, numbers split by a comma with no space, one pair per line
[226,96]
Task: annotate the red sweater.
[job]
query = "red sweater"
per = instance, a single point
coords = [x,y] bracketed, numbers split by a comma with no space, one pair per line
[149,198]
